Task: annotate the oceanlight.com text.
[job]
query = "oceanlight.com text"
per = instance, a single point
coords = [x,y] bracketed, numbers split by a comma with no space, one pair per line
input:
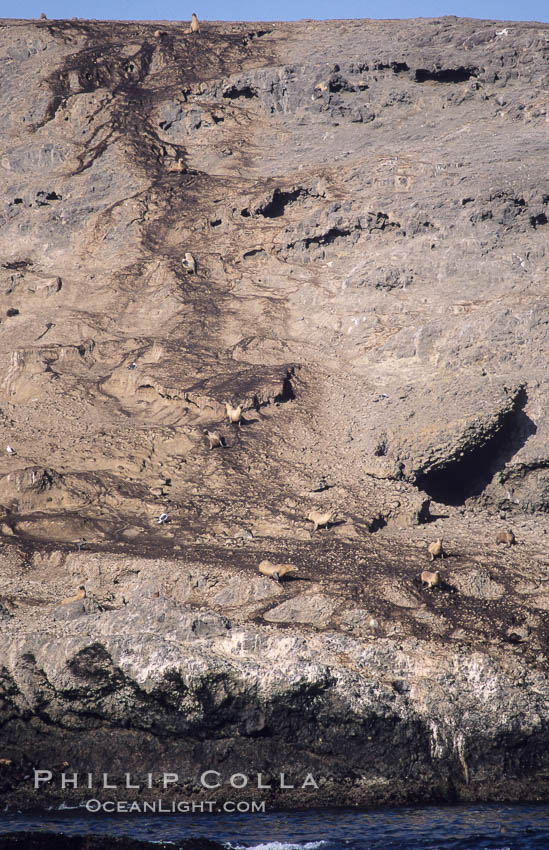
[173,806]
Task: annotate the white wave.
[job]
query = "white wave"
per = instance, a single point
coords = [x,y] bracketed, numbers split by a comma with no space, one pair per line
[279,845]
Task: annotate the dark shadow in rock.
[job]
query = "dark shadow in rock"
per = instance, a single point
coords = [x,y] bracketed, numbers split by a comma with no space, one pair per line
[287,392]
[467,477]
[245,91]
[433,518]
[336,522]
[513,638]
[377,524]
[445,75]
[276,207]
[446,587]
[448,556]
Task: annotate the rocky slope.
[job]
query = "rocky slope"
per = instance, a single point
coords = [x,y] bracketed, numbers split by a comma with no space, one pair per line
[365,206]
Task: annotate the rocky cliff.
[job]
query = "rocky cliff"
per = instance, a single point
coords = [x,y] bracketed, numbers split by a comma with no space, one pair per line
[342,226]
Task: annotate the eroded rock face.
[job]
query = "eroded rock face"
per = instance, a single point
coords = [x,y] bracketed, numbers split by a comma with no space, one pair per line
[391,718]
[365,205]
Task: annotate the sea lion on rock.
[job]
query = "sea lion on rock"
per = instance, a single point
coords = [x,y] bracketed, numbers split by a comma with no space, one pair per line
[320,519]
[77,597]
[276,571]
[177,167]
[234,414]
[194,27]
[435,549]
[430,579]
[189,262]
[506,537]
[215,439]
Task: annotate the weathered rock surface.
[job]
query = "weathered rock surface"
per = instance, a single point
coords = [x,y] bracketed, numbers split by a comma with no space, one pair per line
[366,204]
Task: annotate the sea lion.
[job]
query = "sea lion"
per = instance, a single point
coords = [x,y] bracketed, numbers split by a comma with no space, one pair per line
[234,414]
[435,549]
[77,597]
[189,262]
[506,537]
[177,167]
[430,579]
[320,519]
[215,439]
[276,571]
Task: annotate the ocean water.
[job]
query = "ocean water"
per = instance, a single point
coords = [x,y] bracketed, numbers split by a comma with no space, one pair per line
[482,827]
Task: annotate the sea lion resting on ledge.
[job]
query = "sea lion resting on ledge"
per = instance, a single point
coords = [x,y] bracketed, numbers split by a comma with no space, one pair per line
[276,571]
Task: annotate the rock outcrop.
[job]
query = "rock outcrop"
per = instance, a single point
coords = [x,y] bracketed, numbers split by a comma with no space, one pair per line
[364,205]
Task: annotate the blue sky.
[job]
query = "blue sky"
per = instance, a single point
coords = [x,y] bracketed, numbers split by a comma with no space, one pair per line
[247,10]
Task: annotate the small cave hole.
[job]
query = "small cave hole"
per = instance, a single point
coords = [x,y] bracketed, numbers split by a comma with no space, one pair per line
[12,311]
[235,92]
[538,220]
[381,449]
[16,265]
[468,476]
[280,200]
[43,198]
[327,238]
[377,524]
[215,222]
[249,37]
[445,75]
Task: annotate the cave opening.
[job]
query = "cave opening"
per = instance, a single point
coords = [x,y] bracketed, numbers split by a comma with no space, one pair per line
[234,92]
[538,220]
[326,238]
[277,205]
[377,524]
[468,477]
[446,75]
